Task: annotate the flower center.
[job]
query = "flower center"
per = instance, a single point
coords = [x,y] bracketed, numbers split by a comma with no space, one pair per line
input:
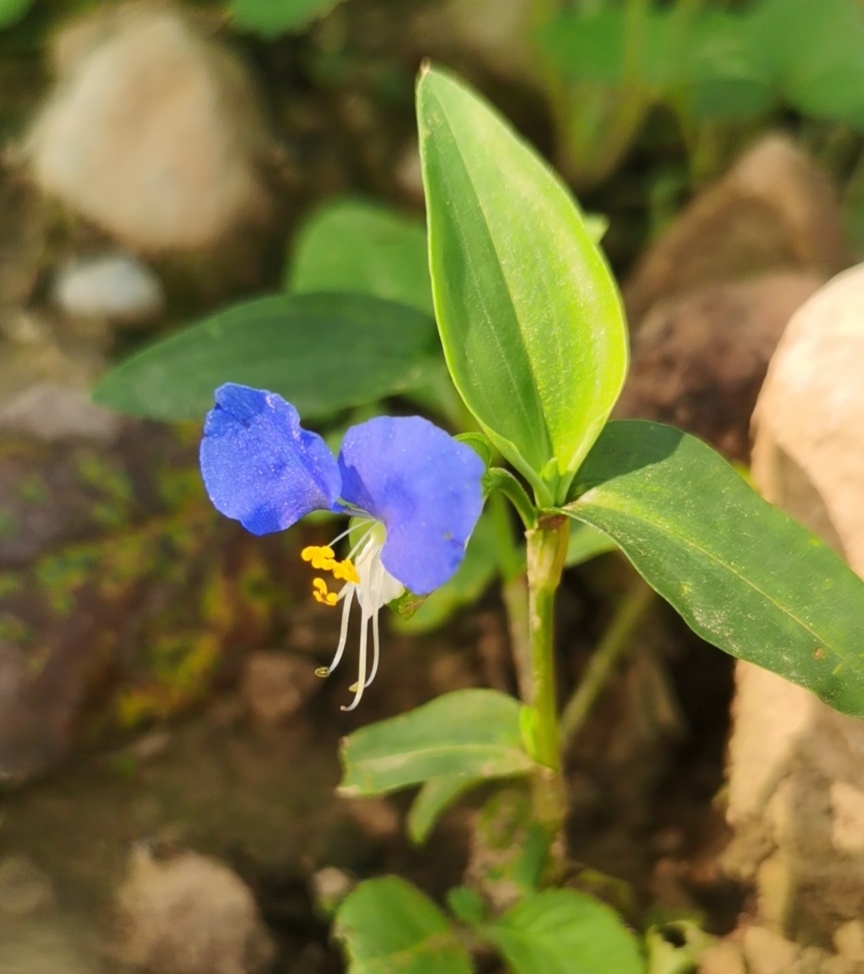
[363,574]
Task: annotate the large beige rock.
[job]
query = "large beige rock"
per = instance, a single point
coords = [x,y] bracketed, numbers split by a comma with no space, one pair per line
[796,793]
[153,131]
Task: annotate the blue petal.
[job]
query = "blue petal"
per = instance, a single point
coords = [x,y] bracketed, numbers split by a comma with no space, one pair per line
[260,466]
[423,485]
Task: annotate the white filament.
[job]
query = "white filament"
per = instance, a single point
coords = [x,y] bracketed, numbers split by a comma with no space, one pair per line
[375,589]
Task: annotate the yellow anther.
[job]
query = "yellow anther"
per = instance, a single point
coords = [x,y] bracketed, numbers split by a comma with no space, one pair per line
[346,572]
[321,593]
[323,672]
[322,557]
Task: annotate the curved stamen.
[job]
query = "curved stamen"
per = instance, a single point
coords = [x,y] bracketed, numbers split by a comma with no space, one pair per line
[360,685]
[348,592]
[376,652]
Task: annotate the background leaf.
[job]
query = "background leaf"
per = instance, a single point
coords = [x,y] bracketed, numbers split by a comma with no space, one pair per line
[269,18]
[586,543]
[322,352]
[814,53]
[560,931]
[469,733]
[742,574]
[529,315]
[351,245]
[389,927]
[11,11]
[433,799]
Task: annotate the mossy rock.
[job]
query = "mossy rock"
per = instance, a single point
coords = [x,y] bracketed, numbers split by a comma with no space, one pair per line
[124,598]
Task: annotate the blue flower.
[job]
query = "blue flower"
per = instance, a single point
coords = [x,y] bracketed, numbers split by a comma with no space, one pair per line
[413,492]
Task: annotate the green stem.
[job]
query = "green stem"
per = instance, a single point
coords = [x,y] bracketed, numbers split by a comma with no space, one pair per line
[547,549]
[514,589]
[616,640]
[514,592]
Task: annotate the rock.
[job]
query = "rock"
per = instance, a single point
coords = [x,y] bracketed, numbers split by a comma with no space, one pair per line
[768,953]
[24,889]
[809,451]
[481,32]
[329,887]
[45,947]
[849,940]
[700,358]
[51,411]
[115,286]
[773,211]
[153,132]
[275,686]
[188,914]
[796,767]
[722,958]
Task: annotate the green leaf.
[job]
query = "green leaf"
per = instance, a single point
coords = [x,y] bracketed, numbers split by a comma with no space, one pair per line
[269,18]
[611,47]
[467,904]
[480,445]
[560,931]
[472,734]
[720,70]
[389,927]
[815,54]
[472,578]
[11,11]
[433,799]
[512,844]
[529,315]
[586,543]
[675,947]
[322,352]
[350,245]
[742,574]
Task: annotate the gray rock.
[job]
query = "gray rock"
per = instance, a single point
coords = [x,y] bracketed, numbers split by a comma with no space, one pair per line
[44,388]
[188,914]
[153,131]
[115,286]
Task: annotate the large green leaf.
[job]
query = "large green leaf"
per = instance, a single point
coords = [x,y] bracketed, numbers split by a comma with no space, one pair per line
[389,927]
[351,245]
[560,931]
[742,574]
[469,733]
[529,315]
[322,352]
